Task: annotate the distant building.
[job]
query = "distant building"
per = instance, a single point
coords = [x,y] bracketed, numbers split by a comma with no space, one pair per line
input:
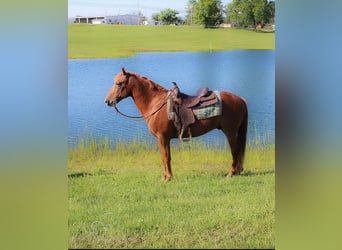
[152,22]
[98,21]
[123,19]
[89,19]
[119,19]
[225,25]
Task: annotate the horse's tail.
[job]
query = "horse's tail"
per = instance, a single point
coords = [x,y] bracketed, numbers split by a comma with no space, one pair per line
[242,137]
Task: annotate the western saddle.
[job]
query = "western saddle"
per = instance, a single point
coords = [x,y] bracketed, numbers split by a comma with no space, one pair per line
[180,108]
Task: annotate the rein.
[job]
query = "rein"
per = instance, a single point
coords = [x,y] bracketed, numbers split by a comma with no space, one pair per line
[140,117]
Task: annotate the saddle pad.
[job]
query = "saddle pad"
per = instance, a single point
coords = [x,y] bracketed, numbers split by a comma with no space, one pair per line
[209,111]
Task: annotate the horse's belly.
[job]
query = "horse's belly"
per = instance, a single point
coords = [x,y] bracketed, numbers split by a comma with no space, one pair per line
[201,127]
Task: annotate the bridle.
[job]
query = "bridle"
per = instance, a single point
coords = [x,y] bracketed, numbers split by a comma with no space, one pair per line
[122,86]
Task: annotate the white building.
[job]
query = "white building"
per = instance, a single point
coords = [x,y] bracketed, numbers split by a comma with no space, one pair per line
[152,22]
[119,19]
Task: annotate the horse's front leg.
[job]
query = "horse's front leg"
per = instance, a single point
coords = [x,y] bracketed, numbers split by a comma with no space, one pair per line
[164,147]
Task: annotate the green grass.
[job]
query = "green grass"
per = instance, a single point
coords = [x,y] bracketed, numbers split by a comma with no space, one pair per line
[109,41]
[117,198]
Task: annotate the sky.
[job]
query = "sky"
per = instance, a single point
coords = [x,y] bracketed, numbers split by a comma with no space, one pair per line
[121,7]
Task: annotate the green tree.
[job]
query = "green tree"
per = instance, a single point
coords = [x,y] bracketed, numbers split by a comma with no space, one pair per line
[169,16]
[156,16]
[190,10]
[261,13]
[271,11]
[250,12]
[240,12]
[208,13]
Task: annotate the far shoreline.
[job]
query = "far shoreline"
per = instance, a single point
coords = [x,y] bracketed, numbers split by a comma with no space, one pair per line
[109,41]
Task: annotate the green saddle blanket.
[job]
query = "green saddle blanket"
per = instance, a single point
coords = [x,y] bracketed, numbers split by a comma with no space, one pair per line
[209,111]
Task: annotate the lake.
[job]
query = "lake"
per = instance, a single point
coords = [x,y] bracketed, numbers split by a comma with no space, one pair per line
[247,73]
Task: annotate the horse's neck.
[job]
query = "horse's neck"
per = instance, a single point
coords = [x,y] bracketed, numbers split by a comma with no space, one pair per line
[147,97]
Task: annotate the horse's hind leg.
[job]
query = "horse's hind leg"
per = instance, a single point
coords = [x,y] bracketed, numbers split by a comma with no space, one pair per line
[236,167]
[164,147]
[235,130]
[237,142]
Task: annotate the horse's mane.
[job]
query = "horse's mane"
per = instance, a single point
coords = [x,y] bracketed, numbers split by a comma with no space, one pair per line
[151,83]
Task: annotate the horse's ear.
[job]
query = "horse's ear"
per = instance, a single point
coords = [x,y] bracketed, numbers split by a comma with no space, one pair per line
[124,71]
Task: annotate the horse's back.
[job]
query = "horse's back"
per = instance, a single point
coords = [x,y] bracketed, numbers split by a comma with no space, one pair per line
[233,100]
[234,107]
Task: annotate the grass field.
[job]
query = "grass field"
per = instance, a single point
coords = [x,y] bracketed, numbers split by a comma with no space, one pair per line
[109,41]
[117,198]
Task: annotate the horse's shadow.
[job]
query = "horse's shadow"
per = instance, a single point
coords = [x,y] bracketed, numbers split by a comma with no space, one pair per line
[79,175]
[243,174]
[256,173]
[252,173]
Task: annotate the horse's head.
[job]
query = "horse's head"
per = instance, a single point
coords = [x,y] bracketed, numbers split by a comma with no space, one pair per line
[119,90]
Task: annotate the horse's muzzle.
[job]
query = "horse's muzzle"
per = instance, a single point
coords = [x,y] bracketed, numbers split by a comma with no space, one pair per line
[110,103]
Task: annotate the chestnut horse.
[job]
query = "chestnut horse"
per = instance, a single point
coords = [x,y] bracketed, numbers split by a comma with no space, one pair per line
[150,98]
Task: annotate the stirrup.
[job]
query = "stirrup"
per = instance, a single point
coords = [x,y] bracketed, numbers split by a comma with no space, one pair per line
[185,139]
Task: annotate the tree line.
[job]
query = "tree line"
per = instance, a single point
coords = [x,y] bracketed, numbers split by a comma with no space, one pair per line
[211,13]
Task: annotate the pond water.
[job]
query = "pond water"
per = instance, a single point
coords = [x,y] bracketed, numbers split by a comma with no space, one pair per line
[247,73]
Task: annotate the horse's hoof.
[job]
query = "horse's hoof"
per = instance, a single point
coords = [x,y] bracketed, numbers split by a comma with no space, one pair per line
[231,173]
[167,179]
